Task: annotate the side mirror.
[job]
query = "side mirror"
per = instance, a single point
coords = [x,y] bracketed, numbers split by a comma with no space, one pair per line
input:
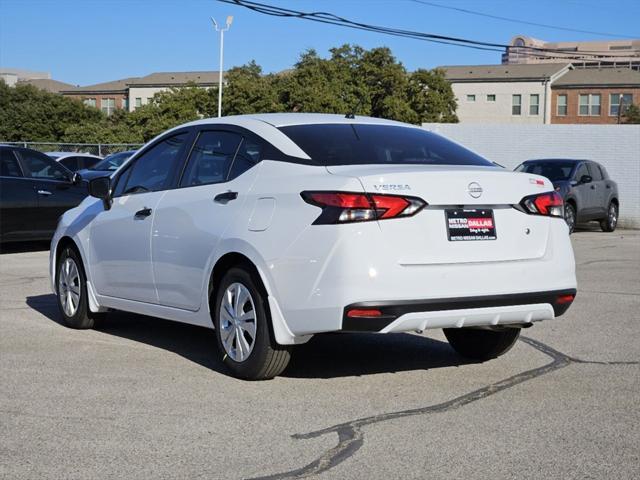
[586,179]
[76,178]
[101,188]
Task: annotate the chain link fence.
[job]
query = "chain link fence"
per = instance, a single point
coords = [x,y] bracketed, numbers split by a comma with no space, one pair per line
[100,149]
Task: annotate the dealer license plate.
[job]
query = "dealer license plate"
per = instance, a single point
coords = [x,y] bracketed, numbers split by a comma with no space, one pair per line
[465,225]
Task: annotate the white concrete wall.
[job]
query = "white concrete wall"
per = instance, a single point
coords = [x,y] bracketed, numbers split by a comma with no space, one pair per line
[482,111]
[617,147]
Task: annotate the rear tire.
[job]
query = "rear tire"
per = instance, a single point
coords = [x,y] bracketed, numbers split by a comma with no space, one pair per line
[71,289]
[610,223]
[570,217]
[243,328]
[480,344]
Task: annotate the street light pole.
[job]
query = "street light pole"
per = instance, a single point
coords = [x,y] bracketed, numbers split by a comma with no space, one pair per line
[221,30]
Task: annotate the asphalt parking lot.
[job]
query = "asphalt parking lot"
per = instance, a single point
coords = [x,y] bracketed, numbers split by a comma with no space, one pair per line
[144,398]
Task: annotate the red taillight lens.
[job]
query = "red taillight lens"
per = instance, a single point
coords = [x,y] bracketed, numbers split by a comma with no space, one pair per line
[367,313]
[550,204]
[563,299]
[348,207]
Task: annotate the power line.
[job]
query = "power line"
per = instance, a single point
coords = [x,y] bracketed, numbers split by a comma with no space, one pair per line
[515,20]
[332,19]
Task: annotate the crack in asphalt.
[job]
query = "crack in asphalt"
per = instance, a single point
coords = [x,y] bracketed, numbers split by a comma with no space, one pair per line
[351,435]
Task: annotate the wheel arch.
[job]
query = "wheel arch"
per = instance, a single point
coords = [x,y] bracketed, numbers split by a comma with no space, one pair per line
[278,326]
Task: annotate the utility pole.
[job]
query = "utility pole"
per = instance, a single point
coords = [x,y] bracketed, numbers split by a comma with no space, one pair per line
[221,30]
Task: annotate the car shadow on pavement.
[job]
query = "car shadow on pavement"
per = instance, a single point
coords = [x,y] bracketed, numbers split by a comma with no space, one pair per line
[324,356]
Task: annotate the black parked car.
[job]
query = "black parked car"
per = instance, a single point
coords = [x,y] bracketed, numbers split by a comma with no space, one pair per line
[34,191]
[106,166]
[588,192]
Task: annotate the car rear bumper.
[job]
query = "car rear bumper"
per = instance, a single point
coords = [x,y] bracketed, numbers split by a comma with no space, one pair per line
[490,310]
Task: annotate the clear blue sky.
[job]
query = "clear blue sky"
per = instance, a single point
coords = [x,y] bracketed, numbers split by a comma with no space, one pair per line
[90,41]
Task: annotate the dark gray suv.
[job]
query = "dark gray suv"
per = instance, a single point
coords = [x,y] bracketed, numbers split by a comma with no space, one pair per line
[585,186]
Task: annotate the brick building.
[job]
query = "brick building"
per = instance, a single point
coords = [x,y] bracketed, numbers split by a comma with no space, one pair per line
[130,93]
[594,95]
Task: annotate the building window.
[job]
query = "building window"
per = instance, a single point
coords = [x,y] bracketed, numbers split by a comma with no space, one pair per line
[614,103]
[471,98]
[90,102]
[108,105]
[562,105]
[534,104]
[149,100]
[138,102]
[516,104]
[491,98]
[589,105]
[125,103]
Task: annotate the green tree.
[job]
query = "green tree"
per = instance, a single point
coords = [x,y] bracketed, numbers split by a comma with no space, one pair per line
[632,114]
[248,91]
[30,114]
[431,96]
[171,108]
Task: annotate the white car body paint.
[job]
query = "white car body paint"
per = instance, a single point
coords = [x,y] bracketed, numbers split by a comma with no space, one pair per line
[161,266]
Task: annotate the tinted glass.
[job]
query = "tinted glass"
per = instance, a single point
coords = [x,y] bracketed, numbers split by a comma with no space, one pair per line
[88,162]
[582,170]
[72,163]
[595,172]
[211,158]
[152,171]
[9,164]
[38,165]
[552,170]
[347,144]
[249,153]
[112,162]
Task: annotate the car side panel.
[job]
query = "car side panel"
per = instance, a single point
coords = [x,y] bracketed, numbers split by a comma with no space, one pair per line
[18,210]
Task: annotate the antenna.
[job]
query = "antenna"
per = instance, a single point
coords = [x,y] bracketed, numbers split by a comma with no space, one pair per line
[352,114]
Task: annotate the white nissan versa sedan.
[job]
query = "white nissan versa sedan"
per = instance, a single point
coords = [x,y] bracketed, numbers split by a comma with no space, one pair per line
[272,228]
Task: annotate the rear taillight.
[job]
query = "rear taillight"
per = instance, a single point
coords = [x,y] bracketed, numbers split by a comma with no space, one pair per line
[348,207]
[549,204]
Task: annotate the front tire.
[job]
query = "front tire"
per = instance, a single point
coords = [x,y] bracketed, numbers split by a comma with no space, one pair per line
[71,283]
[570,217]
[480,344]
[610,223]
[243,328]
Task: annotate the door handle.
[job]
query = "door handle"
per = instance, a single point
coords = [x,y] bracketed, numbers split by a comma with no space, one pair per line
[46,193]
[144,213]
[593,187]
[225,197]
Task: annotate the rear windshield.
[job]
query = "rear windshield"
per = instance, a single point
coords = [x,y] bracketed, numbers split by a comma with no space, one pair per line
[353,144]
[553,170]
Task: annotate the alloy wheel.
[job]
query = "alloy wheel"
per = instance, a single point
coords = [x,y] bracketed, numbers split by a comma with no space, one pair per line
[237,322]
[69,287]
[613,216]
[570,217]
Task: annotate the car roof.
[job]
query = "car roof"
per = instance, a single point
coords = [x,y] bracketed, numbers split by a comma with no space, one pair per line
[288,119]
[571,160]
[61,155]
[266,125]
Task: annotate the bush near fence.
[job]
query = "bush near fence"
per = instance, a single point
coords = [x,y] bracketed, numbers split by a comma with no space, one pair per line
[100,149]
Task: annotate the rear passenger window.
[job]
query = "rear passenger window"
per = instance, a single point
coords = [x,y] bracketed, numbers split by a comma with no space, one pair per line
[211,158]
[249,153]
[9,164]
